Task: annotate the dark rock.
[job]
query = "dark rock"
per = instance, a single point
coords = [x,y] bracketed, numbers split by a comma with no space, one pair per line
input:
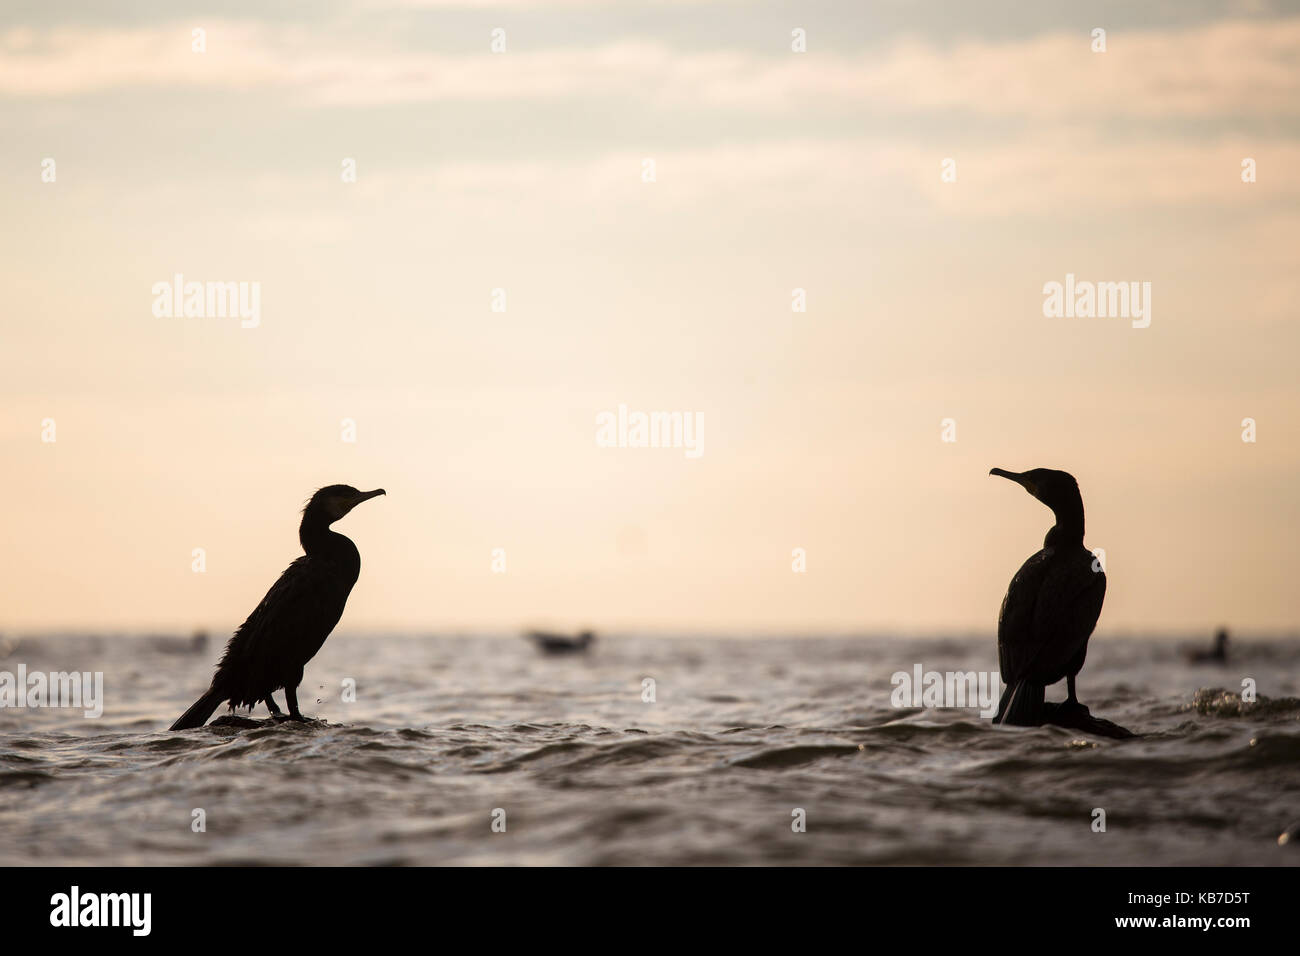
[1079,718]
[243,723]
[240,722]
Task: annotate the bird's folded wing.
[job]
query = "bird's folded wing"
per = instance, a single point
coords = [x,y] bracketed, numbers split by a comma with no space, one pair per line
[1017,644]
[291,606]
[1067,611]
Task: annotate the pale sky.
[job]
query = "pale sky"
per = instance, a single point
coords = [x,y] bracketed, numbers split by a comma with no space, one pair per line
[523,171]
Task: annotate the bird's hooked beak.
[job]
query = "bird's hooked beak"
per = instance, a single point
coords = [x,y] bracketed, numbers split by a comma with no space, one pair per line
[1019,478]
[367,495]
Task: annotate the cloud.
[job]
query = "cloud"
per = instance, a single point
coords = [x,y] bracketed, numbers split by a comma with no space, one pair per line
[1222,69]
[852,180]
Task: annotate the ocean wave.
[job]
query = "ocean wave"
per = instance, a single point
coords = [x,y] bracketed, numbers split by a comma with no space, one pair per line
[1217,702]
[445,733]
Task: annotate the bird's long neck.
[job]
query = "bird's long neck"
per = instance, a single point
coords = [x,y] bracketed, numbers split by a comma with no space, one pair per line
[316,537]
[1068,529]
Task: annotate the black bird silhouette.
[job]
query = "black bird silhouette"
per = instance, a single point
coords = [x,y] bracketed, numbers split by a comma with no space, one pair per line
[1051,607]
[286,630]
[1217,656]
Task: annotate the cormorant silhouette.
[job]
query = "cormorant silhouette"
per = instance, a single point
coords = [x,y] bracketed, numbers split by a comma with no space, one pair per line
[1050,608]
[286,630]
[1217,656]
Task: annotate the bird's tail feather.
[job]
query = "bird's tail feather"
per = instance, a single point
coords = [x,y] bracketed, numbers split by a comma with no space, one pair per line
[1021,704]
[199,711]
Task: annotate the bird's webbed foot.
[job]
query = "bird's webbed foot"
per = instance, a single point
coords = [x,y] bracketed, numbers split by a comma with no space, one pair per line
[1073,709]
[291,697]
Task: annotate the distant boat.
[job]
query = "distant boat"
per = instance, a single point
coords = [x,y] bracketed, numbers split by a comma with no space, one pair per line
[551,643]
[1218,655]
[197,643]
